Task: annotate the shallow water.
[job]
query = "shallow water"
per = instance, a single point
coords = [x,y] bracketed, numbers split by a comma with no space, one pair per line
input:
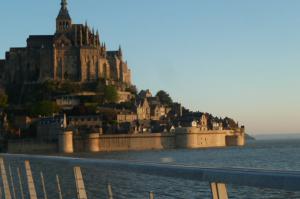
[275,155]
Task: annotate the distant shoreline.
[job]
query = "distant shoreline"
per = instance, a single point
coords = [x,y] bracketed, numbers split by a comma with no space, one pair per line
[282,136]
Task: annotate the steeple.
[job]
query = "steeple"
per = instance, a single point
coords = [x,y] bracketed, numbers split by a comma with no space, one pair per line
[63,20]
[64,4]
[120,51]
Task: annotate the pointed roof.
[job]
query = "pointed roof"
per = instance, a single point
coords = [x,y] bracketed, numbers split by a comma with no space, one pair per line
[120,50]
[64,13]
[64,4]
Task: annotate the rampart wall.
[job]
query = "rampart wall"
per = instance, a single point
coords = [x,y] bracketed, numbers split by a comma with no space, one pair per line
[125,142]
[31,147]
[190,138]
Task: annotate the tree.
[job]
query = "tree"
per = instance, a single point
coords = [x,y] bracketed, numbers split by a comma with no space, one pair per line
[3,99]
[100,87]
[44,108]
[164,98]
[46,90]
[229,123]
[111,94]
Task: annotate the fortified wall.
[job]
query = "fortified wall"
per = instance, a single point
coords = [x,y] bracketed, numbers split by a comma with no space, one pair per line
[183,138]
[187,138]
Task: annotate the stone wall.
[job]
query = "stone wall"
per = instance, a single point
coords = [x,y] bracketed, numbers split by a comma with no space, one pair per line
[31,147]
[194,138]
[2,63]
[126,142]
[137,142]
[190,138]
[236,140]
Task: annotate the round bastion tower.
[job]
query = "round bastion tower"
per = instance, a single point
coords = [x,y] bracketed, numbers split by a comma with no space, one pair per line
[65,138]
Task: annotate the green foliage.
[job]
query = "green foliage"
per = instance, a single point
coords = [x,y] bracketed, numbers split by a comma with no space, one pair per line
[68,87]
[44,108]
[100,87]
[111,94]
[164,98]
[91,107]
[13,96]
[132,89]
[49,86]
[229,123]
[3,99]
[45,91]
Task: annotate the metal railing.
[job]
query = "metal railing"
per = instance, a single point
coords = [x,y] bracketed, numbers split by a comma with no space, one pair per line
[217,177]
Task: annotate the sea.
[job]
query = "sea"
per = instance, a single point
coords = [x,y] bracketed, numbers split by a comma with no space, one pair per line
[262,154]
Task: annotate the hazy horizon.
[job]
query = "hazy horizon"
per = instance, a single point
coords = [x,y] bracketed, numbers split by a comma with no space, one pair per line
[278,136]
[229,58]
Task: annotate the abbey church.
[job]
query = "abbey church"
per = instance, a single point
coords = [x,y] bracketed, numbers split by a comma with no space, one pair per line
[74,53]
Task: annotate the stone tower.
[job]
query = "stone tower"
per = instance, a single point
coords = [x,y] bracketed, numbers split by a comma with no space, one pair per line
[63,20]
[203,123]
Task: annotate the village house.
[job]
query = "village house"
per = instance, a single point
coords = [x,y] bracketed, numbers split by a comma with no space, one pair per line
[89,121]
[143,110]
[67,102]
[203,123]
[48,128]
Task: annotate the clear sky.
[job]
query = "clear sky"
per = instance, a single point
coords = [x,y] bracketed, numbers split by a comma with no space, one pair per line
[233,58]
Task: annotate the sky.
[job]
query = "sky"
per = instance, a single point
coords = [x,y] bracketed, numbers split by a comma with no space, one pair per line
[232,58]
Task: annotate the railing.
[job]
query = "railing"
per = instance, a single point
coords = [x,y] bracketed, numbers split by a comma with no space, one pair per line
[218,178]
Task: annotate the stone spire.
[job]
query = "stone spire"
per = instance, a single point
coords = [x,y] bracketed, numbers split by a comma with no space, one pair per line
[64,4]
[64,13]
[63,20]
[87,34]
[80,36]
[98,38]
[120,51]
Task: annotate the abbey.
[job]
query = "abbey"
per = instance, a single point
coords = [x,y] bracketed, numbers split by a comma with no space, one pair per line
[74,53]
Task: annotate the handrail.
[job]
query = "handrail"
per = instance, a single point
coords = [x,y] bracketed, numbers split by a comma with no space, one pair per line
[273,179]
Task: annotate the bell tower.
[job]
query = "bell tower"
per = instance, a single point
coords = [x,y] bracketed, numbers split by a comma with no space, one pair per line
[63,20]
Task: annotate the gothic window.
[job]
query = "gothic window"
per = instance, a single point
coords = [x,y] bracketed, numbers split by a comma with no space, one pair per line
[105,71]
[88,71]
[59,69]
[97,70]
[36,73]
[66,76]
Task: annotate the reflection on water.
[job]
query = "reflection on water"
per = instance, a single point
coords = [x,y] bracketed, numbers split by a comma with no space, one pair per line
[282,155]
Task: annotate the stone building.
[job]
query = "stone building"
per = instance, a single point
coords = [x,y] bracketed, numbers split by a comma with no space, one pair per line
[48,128]
[143,110]
[144,94]
[74,53]
[158,111]
[126,116]
[217,126]
[89,121]
[67,102]
[150,108]
[203,123]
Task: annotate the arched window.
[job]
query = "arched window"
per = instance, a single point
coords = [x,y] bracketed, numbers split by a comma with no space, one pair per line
[97,70]
[88,71]
[104,71]
[66,76]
